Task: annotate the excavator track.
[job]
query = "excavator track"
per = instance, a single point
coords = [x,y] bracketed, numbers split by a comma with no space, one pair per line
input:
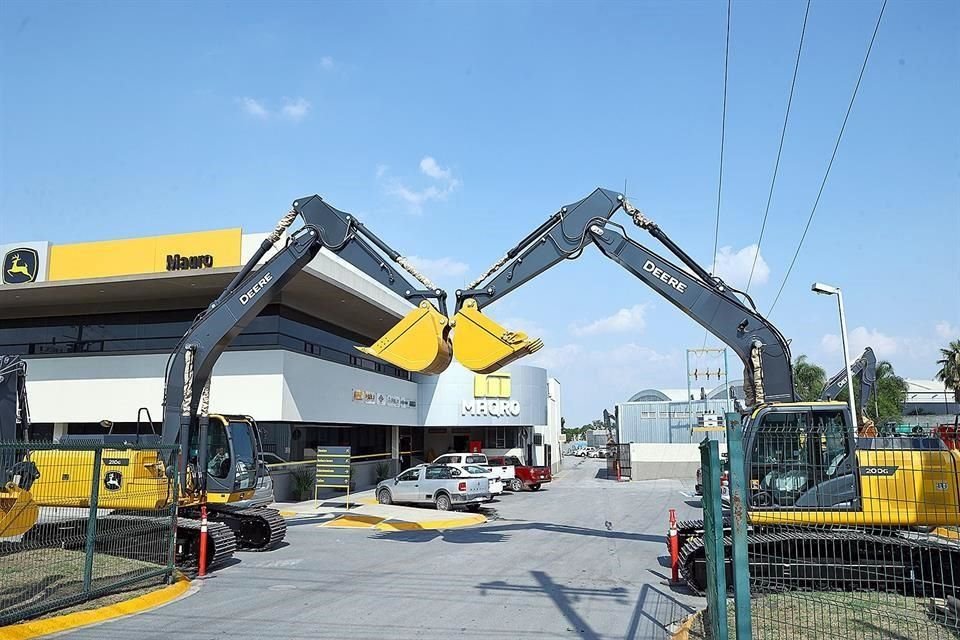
[786,558]
[256,528]
[137,537]
[221,543]
[687,529]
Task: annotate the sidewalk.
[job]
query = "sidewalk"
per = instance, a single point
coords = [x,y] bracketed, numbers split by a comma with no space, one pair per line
[365,513]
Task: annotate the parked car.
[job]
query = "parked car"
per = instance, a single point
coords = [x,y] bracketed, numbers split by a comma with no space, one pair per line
[496,484]
[505,473]
[525,476]
[435,484]
[596,453]
[263,493]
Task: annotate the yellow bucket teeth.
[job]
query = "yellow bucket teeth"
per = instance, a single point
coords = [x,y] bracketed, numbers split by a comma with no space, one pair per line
[420,342]
[482,345]
[18,511]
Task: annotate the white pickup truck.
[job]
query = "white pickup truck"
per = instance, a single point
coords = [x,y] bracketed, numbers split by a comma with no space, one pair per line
[506,473]
[435,484]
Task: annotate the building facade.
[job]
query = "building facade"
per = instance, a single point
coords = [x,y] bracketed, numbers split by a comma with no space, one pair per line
[96,323]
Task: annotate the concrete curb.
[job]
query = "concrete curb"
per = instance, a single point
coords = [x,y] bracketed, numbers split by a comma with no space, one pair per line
[70,621]
[683,632]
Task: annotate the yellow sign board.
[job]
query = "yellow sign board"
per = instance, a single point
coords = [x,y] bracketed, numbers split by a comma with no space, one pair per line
[493,385]
[156,254]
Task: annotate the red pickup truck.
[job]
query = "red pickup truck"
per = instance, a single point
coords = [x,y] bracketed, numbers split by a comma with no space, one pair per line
[525,476]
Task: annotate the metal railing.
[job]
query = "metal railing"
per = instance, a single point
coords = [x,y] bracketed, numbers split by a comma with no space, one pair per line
[91,519]
[618,462]
[825,533]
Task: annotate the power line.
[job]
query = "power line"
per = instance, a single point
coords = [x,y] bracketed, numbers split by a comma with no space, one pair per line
[833,156]
[723,134]
[783,133]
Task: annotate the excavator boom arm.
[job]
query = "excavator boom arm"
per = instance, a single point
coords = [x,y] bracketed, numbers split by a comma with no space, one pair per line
[705,298]
[866,367]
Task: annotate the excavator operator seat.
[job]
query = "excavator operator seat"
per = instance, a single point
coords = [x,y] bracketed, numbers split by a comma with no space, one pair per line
[420,342]
[484,346]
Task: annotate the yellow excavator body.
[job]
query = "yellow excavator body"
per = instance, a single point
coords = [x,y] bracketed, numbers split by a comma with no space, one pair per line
[902,488]
[129,479]
[420,342]
[482,345]
[18,511]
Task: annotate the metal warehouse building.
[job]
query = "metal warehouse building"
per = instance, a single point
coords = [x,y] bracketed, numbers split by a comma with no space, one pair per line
[97,320]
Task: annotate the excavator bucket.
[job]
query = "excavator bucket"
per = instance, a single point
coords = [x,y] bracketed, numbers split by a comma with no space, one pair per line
[420,342]
[18,511]
[484,346]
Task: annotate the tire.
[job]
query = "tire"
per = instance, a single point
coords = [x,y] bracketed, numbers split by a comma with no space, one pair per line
[383,497]
[473,507]
[516,484]
[443,502]
[535,486]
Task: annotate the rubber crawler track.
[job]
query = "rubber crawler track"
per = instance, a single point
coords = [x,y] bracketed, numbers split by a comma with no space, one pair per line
[912,553]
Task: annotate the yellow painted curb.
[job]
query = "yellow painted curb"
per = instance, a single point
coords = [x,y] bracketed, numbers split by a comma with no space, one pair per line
[368,501]
[353,521]
[683,633]
[288,514]
[38,628]
[423,525]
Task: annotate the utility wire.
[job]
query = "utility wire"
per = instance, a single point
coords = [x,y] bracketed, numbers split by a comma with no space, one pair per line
[723,133]
[833,156]
[783,133]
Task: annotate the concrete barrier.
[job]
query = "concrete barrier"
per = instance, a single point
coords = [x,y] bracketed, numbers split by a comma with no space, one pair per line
[650,461]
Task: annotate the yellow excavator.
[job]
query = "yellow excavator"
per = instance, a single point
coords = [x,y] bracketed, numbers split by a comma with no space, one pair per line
[827,505]
[220,459]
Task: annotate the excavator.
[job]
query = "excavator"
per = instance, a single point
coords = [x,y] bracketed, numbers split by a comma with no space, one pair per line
[826,505]
[220,453]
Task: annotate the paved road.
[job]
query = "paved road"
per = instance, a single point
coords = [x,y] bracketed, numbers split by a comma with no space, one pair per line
[579,559]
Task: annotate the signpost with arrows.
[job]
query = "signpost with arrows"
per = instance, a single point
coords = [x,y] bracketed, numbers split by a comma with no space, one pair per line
[333,470]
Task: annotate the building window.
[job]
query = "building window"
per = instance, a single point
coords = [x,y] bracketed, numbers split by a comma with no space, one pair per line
[160,331]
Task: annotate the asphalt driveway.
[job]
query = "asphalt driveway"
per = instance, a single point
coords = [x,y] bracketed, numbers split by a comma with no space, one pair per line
[582,558]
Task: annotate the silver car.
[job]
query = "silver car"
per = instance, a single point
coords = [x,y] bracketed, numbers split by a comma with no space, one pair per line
[263,494]
[435,484]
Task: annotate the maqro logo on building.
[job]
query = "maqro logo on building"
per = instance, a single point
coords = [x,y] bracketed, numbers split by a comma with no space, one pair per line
[491,397]
[20,266]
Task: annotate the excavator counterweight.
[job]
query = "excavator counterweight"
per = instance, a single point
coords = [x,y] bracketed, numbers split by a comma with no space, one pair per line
[482,345]
[420,342]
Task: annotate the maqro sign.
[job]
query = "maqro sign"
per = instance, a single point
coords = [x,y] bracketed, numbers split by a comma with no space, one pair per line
[494,408]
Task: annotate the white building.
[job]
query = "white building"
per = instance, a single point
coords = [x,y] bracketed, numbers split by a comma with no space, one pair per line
[96,322]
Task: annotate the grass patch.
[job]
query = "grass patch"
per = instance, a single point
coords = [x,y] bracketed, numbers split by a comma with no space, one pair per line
[51,575]
[803,615]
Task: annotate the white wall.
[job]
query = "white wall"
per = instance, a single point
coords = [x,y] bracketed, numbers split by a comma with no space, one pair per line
[271,385]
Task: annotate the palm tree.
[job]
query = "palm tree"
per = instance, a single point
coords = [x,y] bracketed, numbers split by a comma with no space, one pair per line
[808,378]
[949,373]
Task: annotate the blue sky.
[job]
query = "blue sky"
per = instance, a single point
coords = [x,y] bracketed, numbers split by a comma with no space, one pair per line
[453,129]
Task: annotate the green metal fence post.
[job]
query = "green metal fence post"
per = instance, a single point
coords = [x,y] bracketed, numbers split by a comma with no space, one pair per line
[738,506]
[716,613]
[92,520]
[174,505]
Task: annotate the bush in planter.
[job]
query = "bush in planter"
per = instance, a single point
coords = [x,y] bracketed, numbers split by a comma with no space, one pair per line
[383,471]
[303,482]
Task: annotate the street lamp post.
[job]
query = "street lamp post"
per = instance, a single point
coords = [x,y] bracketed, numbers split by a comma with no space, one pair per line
[828,290]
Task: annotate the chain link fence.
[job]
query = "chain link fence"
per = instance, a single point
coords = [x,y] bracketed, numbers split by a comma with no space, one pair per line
[82,520]
[845,535]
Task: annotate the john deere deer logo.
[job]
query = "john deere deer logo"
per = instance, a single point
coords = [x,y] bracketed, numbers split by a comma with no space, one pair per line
[20,266]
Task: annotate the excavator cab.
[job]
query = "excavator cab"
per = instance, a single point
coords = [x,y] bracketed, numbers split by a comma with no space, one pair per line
[482,345]
[231,462]
[420,342]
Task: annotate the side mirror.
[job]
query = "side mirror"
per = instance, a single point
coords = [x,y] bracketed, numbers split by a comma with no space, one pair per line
[396,480]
